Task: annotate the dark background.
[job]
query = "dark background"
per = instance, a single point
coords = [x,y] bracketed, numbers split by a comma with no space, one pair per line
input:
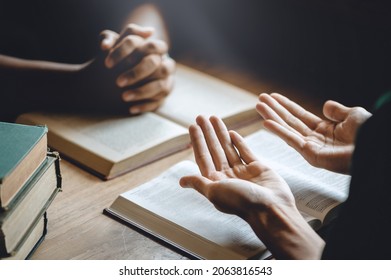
[329,49]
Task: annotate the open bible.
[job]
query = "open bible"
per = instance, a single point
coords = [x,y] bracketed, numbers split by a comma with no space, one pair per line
[318,192]
[112,145]
[186,219]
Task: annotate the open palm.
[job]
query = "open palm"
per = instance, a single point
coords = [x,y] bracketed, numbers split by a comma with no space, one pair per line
[236,182]
[326,143]
[233,179]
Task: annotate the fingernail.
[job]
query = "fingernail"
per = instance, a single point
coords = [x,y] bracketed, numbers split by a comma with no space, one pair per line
[135,110]
[106,43]
[122,81]
[128,96]
[149,29]
[109,62]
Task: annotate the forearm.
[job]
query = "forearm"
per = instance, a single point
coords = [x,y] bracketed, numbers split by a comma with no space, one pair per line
[8,63]
[286,233]
[34,85]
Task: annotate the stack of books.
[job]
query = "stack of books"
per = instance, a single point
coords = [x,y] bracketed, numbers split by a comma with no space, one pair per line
[30,178]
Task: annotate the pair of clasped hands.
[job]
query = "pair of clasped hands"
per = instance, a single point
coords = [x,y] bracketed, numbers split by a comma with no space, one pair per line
[237,182]
[139,66]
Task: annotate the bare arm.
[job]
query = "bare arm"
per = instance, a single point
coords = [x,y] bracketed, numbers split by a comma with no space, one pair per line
[236,182]
[138,81]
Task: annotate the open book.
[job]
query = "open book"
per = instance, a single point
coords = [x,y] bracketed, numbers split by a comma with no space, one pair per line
[318,192]
[111,146]
[186,219]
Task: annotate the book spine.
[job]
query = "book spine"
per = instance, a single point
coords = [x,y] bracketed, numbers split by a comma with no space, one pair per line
[56,155]
[3,249]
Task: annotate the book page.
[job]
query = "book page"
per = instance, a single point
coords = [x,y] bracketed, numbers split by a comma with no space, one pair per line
[113,138]
[316,190]
[192,211]
[196,93]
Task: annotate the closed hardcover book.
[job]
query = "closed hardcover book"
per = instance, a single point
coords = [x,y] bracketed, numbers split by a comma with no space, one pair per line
[32,240]
[22,151]
[31,203]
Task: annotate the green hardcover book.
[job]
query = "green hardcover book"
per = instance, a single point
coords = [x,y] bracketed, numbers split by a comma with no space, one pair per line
[28,205]
[22,151]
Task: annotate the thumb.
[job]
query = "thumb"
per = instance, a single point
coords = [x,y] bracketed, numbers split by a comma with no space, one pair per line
[199,183]
[335,111]
[108,39]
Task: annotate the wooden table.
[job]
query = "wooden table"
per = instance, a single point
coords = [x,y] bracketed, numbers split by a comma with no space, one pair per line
[77,227]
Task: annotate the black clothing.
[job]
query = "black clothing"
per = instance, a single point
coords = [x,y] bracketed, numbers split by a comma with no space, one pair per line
[363,228]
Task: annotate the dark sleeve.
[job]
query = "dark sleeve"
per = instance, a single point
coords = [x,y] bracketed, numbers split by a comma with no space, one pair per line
[363,229]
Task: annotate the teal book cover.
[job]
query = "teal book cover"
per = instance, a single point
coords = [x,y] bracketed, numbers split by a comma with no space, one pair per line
[16,141]
[23,148]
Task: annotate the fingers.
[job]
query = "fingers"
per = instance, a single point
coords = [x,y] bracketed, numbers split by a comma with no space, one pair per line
[123,49]
[166,69]
[134,29]
[151,67]
[144,72]
[132,49]
[108,40]
[149,106]
[149,90]
[291,138]
[225,141]
[199,183]
[335,111]
[133,39]
[215,148]
[268,113]
[295,109]
[145,68]
[244,151]
[155,89]
[213,144]
[287,113]
[148,47]
[271,116]
[201,152]
[111,38]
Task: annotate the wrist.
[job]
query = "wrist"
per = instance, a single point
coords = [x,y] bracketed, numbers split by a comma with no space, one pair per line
[285,232]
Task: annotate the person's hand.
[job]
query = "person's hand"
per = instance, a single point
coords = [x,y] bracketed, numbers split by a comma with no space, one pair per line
[132,73]
[236,182]
[145,71]
[223,157]
[326,143]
